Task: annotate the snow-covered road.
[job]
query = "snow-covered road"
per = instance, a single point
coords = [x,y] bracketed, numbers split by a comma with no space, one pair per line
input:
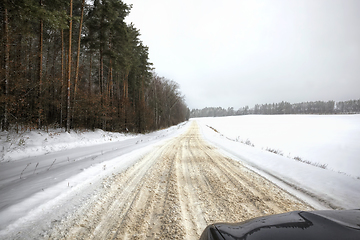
[75,191]
[31,183]
[173,192]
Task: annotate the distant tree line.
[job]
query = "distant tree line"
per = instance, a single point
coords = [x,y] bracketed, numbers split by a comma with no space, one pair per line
[77,64]
[318,107]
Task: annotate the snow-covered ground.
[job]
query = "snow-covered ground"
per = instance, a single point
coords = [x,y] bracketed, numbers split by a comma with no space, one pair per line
[43,174]
[332,141]
[34,143]
[39,170]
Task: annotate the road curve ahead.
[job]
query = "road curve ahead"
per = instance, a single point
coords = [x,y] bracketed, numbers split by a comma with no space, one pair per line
[174,193]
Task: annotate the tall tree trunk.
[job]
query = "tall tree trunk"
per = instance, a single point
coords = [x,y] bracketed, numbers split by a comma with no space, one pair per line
[110,72]
[110,88]
[62,78]
[6,65]
[101,82]
[119,100]
[141,107]
[78,54]
[47,57]
[101,71]
[156,106]
[54,92]
[110,78]
[40,68]
[101,51]
[69,72]
[90,86]
[126,85]
[110,81]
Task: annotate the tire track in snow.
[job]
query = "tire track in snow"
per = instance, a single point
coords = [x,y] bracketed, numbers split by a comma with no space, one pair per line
[174,193]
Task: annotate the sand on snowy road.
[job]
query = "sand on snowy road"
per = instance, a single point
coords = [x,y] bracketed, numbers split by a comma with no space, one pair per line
[174,193]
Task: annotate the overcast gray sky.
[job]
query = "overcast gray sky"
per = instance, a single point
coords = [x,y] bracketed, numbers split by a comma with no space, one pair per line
[233,53]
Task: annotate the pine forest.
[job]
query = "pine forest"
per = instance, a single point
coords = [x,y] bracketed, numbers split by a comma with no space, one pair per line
[77,64]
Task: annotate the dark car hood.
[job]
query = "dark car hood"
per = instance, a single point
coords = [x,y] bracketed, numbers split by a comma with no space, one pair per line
[327,224]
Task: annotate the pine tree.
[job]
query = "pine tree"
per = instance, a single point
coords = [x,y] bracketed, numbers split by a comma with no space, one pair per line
[36,69]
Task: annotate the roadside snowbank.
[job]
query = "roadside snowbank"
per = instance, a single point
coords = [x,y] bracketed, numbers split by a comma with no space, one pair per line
[337,190]
[59,201]
[52,181]
[23,144]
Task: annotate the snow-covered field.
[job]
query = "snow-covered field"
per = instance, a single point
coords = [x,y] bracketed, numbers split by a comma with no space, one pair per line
[331,141]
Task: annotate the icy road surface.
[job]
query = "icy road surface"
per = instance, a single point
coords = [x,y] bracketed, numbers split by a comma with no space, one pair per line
[173,192]
[48,185]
